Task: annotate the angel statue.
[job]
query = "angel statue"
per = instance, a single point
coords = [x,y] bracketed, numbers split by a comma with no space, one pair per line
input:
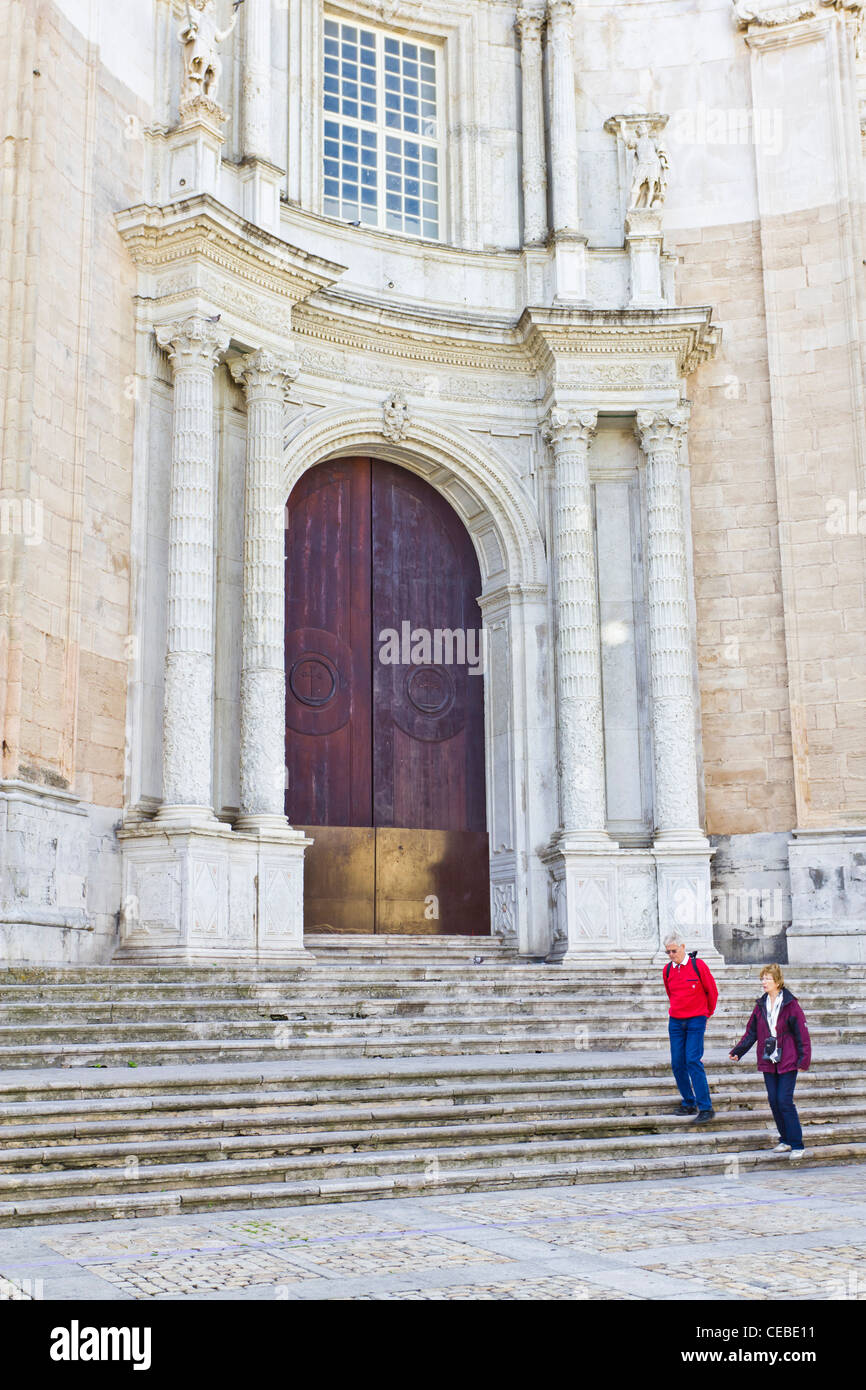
[650,178]
[201,39]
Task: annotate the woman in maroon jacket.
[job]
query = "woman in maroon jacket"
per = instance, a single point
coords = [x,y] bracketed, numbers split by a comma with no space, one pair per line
[778,1025]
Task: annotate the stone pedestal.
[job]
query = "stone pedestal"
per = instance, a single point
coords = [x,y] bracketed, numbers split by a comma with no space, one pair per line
[195,149]
[260,186]
[212,895]
[643,238]
[828,897]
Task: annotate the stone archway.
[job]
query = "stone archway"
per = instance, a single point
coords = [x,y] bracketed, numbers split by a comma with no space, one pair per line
[518,730]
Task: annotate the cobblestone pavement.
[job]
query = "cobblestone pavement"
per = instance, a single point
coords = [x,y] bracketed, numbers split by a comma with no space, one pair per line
[711,1238]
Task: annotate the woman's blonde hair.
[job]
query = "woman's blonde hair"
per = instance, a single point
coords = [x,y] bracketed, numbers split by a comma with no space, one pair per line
[776,972]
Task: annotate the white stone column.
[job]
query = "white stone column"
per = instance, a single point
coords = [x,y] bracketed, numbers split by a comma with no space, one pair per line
[671,676]
[530,22]
[265,378]
[570,246]
[194,346]
[256,80]
[563,116]
[680,848]
[578,651]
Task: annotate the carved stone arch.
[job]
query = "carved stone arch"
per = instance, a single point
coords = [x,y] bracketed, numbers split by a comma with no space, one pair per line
[473,479]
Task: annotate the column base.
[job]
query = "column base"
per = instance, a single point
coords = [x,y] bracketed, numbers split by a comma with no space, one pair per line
[615,906]
[187,817]
[684,894]
[828,897]
[212,895]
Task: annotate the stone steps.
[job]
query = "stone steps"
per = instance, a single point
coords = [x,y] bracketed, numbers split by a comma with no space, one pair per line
[353,1128]
[133,1090]
[285,1180]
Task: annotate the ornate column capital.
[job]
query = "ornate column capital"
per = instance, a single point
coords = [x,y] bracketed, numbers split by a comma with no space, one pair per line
[529,23]
[663,430]
[564,428]
[264,373]
[193,342]
[560,11]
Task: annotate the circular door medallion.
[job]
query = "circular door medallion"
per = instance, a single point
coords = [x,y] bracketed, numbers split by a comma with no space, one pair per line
[430,690]
[313,680]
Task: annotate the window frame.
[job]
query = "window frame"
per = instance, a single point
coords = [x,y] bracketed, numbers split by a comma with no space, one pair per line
[384,131]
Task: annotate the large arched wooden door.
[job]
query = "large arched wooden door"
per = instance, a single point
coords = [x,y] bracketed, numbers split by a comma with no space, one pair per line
[385,703]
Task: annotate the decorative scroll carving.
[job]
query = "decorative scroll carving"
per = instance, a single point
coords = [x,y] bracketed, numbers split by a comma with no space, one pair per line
[770,16]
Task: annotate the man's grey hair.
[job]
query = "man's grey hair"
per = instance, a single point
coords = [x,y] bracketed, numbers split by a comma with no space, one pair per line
[674,939]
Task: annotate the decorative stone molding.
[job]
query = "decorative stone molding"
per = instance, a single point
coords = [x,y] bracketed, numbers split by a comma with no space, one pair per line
[770,16]
[395,416]
[529,25]
[194,346]
[578,651]
[661,436]
[265,378]
[435,446]
[198,251]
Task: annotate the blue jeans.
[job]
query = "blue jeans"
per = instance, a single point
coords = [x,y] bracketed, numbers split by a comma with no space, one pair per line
[687,1049]
[780,1091]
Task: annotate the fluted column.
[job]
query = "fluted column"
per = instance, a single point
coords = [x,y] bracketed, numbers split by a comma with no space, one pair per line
[578,652]
[530,22]
[563,116]
[661,435]
[194,346]
[265,378]
[256,80]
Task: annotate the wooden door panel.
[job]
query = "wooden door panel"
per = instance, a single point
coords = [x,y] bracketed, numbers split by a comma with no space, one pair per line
[328,687]
[432,882]
[428,719]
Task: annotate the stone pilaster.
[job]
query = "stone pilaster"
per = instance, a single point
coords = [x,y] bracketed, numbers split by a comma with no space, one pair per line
[681,849]
[570,246]
[194,346]
[530,23]
[256,80]
[578,652]
[264,377]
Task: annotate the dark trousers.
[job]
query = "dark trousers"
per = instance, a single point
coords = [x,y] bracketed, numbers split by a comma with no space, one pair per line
[780,1091]
[687,1049]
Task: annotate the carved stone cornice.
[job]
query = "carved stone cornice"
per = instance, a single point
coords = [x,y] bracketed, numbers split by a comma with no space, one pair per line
[201,237]
[767,15]
[685,336]
[564,429]
[663,430]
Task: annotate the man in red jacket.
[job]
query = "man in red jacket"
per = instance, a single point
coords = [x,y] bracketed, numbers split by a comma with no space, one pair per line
[693,994]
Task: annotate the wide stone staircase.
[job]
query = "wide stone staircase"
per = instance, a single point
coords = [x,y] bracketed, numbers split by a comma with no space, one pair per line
[385,1066]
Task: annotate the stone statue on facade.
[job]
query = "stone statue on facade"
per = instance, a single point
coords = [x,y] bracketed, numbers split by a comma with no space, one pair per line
[201,38]
[650,176]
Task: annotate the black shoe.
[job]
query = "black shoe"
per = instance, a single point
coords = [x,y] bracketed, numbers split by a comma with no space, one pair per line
[704,1116]
[683,1109]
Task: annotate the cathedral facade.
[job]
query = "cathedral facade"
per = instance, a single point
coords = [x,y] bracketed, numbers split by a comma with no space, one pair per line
[434,477]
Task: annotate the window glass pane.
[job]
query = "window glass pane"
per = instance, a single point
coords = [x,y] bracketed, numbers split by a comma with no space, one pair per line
[355,62]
